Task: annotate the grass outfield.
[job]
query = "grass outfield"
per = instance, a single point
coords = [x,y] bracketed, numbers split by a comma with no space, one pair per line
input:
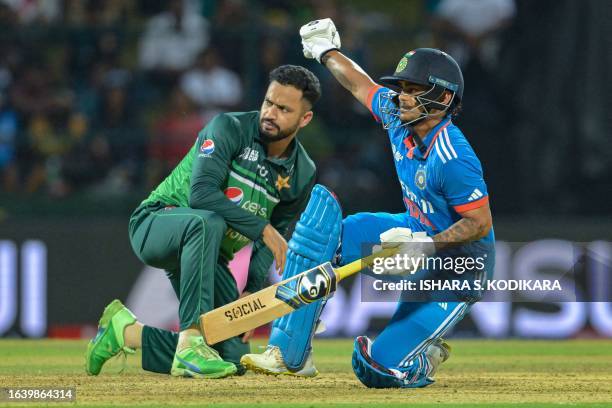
[479,373]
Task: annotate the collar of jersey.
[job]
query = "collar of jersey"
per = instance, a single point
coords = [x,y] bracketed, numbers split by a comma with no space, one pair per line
[286,162]
[430,139]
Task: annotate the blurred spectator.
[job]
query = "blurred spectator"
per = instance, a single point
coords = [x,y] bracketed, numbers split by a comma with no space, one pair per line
[47,145]
[231,13]
[35,11]
[470,28]
[272,54]
[98,12]
[34,93]
[90,164]
[74,97]
[8,132]
[211,85]
[118,134]
[173,40]
[8,17]
[471,31]
[173,135]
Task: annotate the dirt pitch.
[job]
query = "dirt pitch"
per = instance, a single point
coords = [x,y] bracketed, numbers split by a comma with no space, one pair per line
[479,373]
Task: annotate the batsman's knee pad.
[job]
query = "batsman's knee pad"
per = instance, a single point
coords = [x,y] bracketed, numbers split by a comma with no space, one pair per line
[314,241]
[375,375]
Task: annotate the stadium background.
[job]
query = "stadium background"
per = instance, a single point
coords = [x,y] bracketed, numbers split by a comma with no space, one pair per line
[99,100]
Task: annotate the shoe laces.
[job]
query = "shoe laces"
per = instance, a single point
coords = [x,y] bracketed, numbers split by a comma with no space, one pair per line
[274,352]
[207,352]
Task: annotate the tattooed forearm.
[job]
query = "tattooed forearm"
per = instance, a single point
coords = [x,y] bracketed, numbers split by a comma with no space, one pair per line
[464,230]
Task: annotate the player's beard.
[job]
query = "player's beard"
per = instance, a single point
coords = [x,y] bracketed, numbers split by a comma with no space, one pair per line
[279,135]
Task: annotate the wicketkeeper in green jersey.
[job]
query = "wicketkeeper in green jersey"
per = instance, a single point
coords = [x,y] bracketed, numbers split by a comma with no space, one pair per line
[244,180]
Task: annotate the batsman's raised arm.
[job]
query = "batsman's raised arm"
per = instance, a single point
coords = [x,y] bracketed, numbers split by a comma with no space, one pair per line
[321,41]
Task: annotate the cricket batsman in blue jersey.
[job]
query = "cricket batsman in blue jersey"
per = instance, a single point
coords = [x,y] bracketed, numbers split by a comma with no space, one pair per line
[447,213]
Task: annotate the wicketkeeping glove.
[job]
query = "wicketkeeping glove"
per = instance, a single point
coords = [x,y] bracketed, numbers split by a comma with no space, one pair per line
[319,37]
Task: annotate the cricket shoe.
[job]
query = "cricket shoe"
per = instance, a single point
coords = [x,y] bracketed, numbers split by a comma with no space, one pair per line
[436,354]
[109,340]
[200,361]
[271,362]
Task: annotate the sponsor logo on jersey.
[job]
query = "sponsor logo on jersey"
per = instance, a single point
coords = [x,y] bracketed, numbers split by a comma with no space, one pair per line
[249,154]
[416,212]
[396,154]
[255,208]
[234,194]
[208,147]
[476,194]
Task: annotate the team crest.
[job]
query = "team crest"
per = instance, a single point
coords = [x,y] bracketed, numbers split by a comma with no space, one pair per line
[420,179]
[282,182]
[402,64]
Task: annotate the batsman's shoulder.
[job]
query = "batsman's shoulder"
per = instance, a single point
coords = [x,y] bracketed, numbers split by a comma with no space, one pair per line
[453,148]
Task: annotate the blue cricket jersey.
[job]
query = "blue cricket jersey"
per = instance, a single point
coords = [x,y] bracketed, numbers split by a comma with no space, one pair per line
[440,184]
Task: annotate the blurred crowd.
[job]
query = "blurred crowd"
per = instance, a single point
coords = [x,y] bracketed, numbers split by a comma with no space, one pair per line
[104,97]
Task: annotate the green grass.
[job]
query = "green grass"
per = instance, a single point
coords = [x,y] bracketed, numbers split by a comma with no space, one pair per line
[480,373]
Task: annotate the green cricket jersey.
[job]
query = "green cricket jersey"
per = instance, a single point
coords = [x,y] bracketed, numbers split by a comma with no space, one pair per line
[227,171]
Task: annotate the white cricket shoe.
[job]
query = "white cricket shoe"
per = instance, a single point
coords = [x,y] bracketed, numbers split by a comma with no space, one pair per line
[436,354]
[271,362]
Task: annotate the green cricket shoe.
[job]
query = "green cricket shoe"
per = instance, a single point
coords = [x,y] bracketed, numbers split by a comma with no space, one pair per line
[109,340]
[200,361]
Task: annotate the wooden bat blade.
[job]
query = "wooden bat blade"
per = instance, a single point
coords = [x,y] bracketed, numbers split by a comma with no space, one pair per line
[275,301]
[242,315]
[268,304]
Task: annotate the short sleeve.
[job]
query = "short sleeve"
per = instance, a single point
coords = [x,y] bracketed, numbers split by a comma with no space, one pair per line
[379,103]
[463,184]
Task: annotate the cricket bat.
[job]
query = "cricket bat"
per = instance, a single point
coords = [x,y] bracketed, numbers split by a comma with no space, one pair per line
[279,299]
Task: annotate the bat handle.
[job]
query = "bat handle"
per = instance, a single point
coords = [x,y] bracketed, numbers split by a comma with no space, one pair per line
[355,266]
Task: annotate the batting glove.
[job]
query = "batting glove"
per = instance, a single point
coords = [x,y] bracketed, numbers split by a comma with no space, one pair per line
[414,248]
[319,37]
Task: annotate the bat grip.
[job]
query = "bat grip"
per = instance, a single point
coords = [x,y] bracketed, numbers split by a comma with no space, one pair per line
[356,266]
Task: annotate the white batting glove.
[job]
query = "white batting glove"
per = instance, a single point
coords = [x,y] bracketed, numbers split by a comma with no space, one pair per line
[414,248]
[318,37]
[392,238]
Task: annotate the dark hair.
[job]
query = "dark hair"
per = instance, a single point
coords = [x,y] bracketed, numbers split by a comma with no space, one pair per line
[300,78]
[455,109]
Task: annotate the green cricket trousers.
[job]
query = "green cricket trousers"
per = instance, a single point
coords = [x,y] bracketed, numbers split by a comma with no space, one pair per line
[185,243]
